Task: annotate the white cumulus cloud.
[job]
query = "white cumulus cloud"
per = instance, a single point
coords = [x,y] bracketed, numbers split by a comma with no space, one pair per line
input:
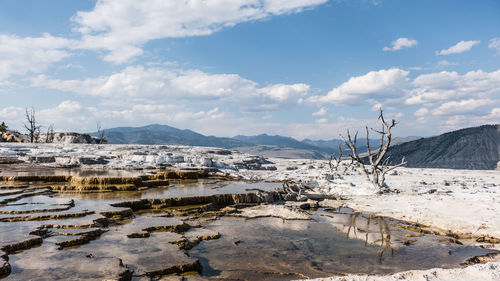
[446,63]
[446,86]
[374,84]
[469,106]
[460,47]
[22,55]
[320,112]
[283,92]
[421,112]
[401,43]
[123,26]
[139,83]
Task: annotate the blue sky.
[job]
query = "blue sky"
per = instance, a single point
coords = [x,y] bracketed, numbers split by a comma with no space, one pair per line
[300,68]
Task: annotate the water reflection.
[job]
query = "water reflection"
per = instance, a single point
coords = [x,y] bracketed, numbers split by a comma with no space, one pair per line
[333,241]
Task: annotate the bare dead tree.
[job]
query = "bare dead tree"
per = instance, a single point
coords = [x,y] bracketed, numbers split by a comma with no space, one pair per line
[33,127]
[100,133]
[49,138]
[378,168]
[334,163]
[38,132]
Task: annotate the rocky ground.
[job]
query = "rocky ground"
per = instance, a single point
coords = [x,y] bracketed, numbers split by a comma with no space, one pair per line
[459,203]
[489,271]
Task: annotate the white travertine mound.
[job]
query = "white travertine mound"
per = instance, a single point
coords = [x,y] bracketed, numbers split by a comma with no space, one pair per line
[484,272]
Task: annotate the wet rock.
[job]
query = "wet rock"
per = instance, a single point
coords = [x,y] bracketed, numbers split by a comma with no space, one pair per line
[194,237]
[310,204]
[28,243]
[288,212]
[10,160]
[451,240]
[179,174]
[42,231]
[100,160]
[74,265]
[177,269]
[330,203]
[15,186]
[139,235]
[252,163]
[83,239]
[219,200]
[105,180]
[291,197]
[46,217]
[123,213]
[41,159]
[220,152]
[156,183]
[144,204]
[14,212]
[5,267]
[301,198]
[408,242]
[177,228]
[34,178]
[93,188]
[488,239]
[25,194]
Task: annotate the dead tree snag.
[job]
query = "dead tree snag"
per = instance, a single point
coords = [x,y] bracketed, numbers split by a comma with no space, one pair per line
[378,167]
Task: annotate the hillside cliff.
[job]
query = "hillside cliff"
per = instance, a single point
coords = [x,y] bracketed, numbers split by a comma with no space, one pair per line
[476,148]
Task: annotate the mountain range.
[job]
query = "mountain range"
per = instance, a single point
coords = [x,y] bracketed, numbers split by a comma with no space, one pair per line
[471,148]
[265,145]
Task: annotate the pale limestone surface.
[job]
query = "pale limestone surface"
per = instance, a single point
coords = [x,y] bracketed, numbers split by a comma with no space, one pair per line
[483,272]
[463,201]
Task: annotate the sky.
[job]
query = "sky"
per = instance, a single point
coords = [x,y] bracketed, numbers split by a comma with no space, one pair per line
[299,68]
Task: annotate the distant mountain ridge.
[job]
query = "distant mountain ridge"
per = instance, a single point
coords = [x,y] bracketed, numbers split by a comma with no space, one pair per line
[265,145]
[265,139]
[163,134]
[470,148]
[476,148]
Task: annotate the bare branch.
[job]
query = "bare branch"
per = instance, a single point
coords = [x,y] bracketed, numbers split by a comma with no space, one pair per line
[32,127]
[49,138]
[100,133]
[378,161]
[335,166]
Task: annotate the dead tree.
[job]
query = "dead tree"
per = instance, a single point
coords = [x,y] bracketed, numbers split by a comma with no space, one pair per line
[334,163]
[33,127]
[100,133]
[378,168]
[49,138]
[38,132]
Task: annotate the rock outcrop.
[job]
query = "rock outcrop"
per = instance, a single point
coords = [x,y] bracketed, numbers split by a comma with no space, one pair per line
[70,137]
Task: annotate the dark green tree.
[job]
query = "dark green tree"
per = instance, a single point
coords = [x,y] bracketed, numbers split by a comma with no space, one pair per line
[3,128]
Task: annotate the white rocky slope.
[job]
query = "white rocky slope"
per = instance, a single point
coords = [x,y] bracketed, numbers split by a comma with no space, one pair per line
[488,271]
[462,201]
[458,200]
[128,156]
